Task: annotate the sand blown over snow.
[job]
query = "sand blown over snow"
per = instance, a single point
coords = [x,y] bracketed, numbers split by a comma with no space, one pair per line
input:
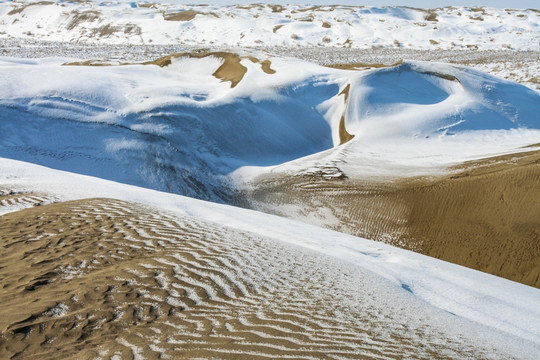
[483,215]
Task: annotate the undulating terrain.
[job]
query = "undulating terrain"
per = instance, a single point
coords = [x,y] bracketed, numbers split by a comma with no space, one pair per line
[101,277]
[146,148]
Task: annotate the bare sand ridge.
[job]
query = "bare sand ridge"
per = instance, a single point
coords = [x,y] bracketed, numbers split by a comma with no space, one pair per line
[485,215]
[344,135]
[99,277]
[19,10]
[186,15]
[231,69]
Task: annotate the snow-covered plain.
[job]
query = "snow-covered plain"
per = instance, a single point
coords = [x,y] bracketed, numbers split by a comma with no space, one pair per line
[144,22]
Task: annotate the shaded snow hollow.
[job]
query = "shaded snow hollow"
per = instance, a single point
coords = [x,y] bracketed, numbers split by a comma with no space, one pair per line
[174,129]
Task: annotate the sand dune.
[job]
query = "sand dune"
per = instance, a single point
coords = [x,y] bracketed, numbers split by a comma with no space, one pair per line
[99,278]
[483,216]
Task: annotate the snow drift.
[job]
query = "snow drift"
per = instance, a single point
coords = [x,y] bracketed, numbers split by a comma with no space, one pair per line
[184,131]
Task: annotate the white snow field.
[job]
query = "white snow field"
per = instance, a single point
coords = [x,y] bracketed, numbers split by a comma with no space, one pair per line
[145,22]
[181,129]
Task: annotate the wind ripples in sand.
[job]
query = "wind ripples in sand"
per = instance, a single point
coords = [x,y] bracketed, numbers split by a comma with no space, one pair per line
[101,278]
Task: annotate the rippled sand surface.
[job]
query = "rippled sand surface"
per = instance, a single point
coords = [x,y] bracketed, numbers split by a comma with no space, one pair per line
[101,278]
[483,215]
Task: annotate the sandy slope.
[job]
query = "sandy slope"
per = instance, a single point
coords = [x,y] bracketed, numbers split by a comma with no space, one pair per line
[484,215]
[101,277]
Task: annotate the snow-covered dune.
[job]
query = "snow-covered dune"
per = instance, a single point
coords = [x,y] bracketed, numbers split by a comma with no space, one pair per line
[184,123]
[107,151]
[144,22]
[170,128]
[485,316]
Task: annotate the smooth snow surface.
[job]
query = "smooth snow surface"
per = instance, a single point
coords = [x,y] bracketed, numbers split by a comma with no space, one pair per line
[184,131]
[121,22]
[500,304]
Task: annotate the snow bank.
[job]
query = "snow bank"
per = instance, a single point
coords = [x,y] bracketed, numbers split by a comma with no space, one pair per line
[174,129]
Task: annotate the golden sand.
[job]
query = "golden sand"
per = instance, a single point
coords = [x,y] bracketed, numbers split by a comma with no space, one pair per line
[181,16]
[344,136]
[231,69]
[102,278]
[486,216]
[266,65]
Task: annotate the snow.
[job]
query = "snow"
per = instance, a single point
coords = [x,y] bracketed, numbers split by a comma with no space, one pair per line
[183,131]
[123,22]
[187,122]
[506,306]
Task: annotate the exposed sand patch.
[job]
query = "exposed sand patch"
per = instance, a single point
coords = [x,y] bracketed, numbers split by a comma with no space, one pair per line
[148,5]
[231,69]
[99,277]
[276,8]
[362,66]
[79,18]
[186,15]
[277,27]
[249,7]
[309,18]
[266,65]
[344,135]
[485,217]
[19,10]
[431,16]
[476,18]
